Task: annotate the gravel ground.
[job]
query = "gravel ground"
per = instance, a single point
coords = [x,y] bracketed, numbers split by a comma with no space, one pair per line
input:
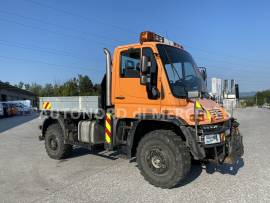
[27,174]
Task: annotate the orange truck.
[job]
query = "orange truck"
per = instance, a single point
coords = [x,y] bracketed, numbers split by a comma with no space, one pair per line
[154,106]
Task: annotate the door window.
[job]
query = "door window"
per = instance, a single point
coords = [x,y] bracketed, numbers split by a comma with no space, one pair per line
[130,63]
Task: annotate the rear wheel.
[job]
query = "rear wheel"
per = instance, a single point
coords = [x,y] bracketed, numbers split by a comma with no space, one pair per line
[54,143]
[163,158]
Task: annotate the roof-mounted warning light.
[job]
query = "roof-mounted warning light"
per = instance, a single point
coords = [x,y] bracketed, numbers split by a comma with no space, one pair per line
[153,37]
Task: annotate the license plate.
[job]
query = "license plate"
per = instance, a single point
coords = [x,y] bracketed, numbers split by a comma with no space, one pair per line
[212,139]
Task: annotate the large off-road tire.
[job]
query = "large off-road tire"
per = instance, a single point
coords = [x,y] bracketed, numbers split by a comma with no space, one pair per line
[163,158]
[54,143]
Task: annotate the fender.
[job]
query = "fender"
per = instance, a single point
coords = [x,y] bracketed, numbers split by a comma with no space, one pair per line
[149,117]
[196,149]
[48,121]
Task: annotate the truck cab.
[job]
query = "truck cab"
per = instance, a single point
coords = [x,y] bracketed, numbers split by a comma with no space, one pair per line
[156,107]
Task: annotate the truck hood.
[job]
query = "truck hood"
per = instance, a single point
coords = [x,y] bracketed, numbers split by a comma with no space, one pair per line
[213,112]
[218,113]
[209,104]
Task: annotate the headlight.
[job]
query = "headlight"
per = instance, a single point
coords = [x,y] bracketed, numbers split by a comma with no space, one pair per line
[200,117]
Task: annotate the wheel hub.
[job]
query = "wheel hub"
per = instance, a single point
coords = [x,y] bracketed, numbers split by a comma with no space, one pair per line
[156,160]
[53,144]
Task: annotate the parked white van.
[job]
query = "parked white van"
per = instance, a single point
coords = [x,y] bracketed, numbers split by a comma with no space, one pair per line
[1,110]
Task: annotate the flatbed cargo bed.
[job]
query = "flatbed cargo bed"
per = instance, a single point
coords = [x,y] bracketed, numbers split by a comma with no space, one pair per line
[79,104]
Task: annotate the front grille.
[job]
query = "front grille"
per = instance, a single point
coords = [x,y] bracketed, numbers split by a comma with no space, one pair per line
[212,129]
[215,128]
[216,114]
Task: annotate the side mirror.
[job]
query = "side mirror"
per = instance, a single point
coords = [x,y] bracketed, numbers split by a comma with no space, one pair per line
[148,76]
[155,93]
[144,64]
[203,72]
[143,79]
[193,94]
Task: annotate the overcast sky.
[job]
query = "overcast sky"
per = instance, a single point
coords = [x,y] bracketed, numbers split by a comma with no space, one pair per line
[54,40]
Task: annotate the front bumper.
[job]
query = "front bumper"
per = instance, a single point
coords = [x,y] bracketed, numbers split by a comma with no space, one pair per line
[227,151]
[231,148]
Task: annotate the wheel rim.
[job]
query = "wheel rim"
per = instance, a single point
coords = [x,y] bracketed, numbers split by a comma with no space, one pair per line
[53,143]
[157,161]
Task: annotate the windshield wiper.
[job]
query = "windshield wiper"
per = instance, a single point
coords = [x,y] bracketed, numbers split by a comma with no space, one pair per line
[174,70]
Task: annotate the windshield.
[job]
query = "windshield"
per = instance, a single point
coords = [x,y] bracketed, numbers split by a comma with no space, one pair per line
[181,71]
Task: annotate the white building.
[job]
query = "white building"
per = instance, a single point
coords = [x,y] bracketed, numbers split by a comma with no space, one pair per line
[217,88]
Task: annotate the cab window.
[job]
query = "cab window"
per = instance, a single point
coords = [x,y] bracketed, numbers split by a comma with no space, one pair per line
[130,63]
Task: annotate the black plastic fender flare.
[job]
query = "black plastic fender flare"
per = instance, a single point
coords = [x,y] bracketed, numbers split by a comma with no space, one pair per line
[48,121]
[130,139]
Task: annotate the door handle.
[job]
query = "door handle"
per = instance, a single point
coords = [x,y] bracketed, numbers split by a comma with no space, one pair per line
[120,97]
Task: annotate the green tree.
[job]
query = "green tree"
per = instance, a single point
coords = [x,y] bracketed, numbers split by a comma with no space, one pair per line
[97,89]
[263,97]
[36,89]
[27,87]
[21,85]
[81,85]
[85,85]
[48,90]
[250,101]
[70,88]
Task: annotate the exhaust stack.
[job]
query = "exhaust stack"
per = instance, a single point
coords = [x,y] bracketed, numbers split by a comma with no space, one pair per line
[108,77]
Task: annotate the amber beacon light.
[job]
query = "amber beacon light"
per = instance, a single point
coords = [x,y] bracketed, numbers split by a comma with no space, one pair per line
[148,36]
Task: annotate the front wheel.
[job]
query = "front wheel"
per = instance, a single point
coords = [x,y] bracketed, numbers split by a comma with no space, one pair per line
[54,142]
[163,158]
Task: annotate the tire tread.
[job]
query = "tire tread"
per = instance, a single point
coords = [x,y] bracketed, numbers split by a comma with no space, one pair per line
[67,148]
[180,150]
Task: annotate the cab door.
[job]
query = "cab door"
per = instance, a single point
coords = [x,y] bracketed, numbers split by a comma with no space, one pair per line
[131,97]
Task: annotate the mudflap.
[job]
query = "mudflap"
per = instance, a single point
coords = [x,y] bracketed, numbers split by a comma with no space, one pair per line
[235,147]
